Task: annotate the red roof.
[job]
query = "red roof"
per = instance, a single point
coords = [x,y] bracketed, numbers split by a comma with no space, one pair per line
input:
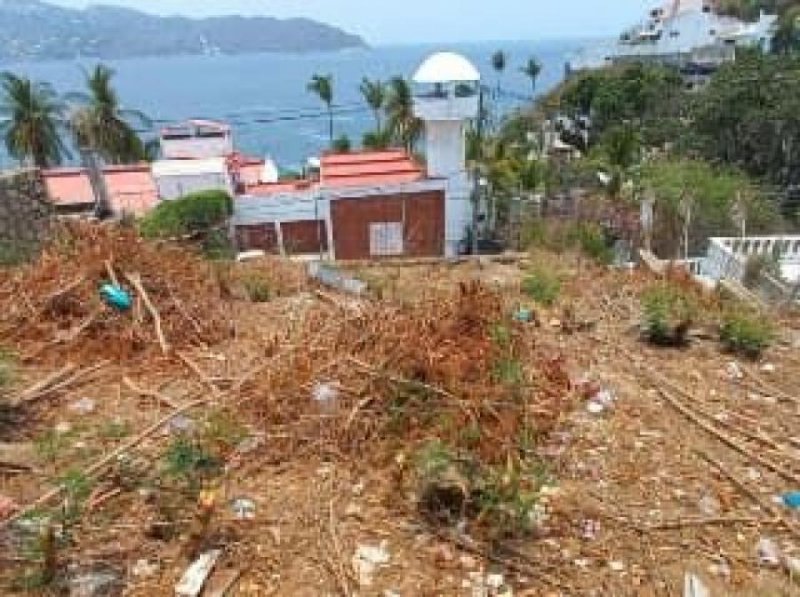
[131,189]
[274,188]
[369,168]
[68,186]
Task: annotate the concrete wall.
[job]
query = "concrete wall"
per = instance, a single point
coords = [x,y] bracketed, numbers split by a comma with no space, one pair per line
[25,214]
[176,186]
[197,147]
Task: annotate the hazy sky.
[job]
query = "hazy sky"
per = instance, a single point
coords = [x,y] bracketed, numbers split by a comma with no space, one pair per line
[398,21]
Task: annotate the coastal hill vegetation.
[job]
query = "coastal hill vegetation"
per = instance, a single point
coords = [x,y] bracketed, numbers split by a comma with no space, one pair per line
[35,30]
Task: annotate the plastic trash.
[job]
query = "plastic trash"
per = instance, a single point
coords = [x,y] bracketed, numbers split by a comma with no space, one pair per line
[768,553]
[244,508]
[792,500]
[330,276]
[84,406]
[326,396]
[367,560]
[523,315]
[116,297]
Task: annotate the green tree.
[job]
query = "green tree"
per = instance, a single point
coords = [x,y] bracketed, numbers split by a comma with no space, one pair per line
[532,70]
[32,116]
[787,35]
[499,63]
[322,86]
[404,127]
[374,93]
[102,124]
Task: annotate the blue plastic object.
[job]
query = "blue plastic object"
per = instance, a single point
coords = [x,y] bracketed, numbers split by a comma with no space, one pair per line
[523,315]
[116,297]
[792,500]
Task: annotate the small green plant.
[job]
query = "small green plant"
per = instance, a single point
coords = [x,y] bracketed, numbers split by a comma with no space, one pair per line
[592,242]
[222,432]
[501,335]
[77,488]
[668,315]
[115,430]
[50,445]
[745,333]
[187,460]
[509,371]
[543,286]
[257,288]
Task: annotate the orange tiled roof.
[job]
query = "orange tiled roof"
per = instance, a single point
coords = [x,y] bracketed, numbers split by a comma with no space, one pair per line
[130,188]
[369,168]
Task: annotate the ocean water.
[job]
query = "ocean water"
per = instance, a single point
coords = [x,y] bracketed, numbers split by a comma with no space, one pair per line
[264,96]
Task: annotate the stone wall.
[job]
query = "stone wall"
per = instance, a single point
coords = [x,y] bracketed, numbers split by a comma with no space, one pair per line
[26,214]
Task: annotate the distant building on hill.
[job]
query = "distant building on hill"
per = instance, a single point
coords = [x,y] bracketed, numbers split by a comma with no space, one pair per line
[688,34]
[196,139]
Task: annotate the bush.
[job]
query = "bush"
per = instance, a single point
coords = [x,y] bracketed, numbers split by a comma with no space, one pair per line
[257,289]
[745,333]
[542,286]
[195,213]
[591,240]
[668,315]
[586,237]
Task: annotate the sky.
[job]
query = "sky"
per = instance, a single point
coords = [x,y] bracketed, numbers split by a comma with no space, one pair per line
[383,22]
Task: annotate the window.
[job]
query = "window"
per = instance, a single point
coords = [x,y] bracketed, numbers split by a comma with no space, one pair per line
[386,239]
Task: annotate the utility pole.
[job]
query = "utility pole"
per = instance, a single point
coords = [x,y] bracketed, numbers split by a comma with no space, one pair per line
[476,192]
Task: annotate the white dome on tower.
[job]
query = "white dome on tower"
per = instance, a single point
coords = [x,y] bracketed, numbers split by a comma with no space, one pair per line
[445,67]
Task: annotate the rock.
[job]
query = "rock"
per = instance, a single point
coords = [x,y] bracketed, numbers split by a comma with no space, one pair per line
[468,562]
[353,511]
[193,580]
[368,559]
[792,566]
[768,368]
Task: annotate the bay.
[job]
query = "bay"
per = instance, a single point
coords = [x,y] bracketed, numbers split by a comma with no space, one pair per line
[264,96]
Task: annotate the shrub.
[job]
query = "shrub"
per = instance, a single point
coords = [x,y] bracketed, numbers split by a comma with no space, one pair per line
[257,289]
[195,213]
[187,460]
[591,240]
[745,333]
[668,315]
[542,286]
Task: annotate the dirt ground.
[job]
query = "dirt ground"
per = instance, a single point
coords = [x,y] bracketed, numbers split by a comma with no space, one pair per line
[678,470]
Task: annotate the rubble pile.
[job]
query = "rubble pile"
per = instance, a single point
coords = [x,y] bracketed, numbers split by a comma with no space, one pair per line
[54,306]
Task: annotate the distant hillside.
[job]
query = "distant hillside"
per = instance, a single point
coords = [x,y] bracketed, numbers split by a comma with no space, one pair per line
[34,30]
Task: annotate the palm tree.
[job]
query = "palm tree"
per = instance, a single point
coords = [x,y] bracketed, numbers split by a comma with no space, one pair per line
[404,127]
[322,86]
[532,70]
[374,93]
[102,124]
[32,118]
[499,63]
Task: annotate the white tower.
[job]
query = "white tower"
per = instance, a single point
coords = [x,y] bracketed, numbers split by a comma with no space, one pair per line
[446,98]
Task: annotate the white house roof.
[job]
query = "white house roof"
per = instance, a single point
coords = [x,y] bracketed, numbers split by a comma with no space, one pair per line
[189,167]
[445,67]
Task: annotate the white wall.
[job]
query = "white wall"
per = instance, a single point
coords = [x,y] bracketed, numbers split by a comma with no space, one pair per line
[197,147]
[178,185]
